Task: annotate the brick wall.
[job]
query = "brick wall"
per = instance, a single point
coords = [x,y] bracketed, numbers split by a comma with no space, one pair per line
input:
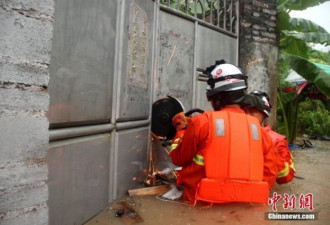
[26,31]
[258,50]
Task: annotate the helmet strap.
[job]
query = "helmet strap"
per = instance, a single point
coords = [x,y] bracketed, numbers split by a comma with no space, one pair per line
[211,81]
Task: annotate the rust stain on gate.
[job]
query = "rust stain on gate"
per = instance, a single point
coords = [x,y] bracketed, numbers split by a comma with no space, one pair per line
[137,47]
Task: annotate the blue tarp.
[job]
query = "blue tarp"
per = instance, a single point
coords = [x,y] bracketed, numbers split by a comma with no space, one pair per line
[325,68]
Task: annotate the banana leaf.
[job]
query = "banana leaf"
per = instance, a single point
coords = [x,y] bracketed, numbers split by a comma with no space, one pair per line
[304,25]
[294,46]
[282,21]
[298,4]
[311,72]
[295,34]
[315,37]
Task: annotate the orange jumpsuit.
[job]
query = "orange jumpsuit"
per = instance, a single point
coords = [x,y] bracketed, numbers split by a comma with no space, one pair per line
[190,143]
[285,163]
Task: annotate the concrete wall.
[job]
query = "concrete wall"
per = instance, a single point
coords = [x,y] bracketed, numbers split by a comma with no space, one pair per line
[258,50]
[26,31]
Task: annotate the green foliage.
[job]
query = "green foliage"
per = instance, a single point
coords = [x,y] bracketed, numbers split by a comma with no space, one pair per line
[313,119]
[282,20]
[296,33]
[201,8]
[319,57]
[295,36]
[304,26]
[293,46]
[188,6]
[315,37]
[297,4]
[310,72]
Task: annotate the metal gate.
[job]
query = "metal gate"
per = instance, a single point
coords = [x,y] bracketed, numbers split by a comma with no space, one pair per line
[110,61]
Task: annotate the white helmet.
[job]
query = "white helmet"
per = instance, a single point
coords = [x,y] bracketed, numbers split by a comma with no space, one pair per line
[224,77]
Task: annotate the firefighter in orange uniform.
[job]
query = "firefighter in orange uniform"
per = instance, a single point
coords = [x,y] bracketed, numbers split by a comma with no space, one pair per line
[257,104]
[224,154]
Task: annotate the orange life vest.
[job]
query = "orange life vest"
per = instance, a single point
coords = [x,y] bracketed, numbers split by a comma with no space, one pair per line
[233,160]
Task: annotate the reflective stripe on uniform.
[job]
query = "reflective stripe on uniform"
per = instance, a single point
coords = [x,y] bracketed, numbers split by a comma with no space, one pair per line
[199,160]
[175,144]
[254,131]
[292,166]
[284,172]
[219,127]
[291,163]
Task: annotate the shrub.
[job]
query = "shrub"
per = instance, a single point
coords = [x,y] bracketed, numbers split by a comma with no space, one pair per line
[313,119]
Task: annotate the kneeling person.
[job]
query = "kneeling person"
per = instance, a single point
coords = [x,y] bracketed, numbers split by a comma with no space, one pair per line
[257,104]
[224,154]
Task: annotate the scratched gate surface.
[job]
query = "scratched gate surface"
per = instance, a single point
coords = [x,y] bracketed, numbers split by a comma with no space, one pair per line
[110,61]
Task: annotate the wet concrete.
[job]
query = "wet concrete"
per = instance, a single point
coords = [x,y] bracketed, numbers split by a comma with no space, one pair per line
[311,164]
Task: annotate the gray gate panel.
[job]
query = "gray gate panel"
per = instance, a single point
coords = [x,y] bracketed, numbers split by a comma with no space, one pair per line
[132,159]
[81,69]
[213,45]
[201,100]
[78,178]
[136,60]
[176,59]
[160,156]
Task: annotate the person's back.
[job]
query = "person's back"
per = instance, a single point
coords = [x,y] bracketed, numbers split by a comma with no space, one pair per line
[212,147]
[285,163]
[257,104]
[234,162]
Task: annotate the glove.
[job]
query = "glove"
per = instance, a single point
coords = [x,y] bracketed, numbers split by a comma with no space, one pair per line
[180,121]
[173,194]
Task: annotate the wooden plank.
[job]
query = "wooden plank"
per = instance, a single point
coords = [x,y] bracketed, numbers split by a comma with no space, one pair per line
[155,190]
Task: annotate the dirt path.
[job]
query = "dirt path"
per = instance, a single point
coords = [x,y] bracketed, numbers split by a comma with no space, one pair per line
[311,164]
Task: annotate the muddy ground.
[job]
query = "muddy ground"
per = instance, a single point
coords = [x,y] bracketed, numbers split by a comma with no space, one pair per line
[313,169]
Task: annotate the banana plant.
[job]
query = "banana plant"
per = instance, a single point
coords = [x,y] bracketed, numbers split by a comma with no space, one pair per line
[295,34]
